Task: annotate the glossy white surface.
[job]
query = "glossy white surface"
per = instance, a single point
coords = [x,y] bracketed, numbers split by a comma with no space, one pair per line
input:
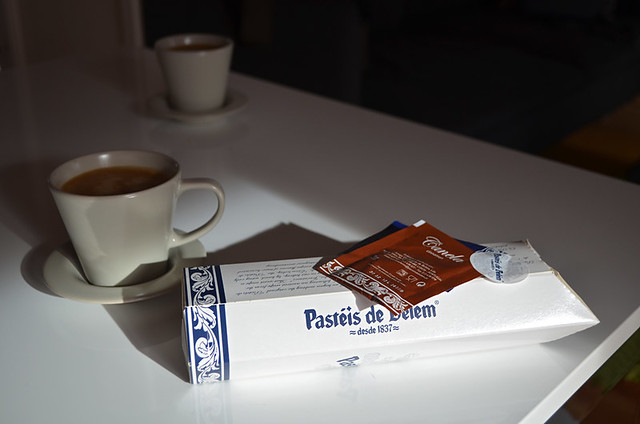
[302,175]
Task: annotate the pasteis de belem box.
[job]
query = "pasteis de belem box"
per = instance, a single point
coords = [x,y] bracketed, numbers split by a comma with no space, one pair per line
[267,318]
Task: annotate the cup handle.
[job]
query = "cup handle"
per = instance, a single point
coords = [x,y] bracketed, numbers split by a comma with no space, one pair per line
[199,184]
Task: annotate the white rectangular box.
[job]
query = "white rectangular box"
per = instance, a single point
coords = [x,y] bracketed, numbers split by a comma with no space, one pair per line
[265,318]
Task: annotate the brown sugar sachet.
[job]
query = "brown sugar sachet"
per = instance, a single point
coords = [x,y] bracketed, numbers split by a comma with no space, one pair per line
[404,268]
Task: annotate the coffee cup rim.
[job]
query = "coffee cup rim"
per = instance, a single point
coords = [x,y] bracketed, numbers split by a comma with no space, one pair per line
[73,167]
[168,42]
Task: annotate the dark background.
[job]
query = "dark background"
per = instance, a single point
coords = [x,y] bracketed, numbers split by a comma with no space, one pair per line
[522,74]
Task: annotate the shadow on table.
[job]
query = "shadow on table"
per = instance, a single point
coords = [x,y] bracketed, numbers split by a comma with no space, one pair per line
[154,326]
[27,209]
[26,206]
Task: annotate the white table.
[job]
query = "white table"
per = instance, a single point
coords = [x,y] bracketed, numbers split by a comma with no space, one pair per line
[314,173]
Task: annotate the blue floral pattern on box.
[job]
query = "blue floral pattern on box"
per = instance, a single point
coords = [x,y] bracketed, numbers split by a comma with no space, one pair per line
[201,287]
[205,326]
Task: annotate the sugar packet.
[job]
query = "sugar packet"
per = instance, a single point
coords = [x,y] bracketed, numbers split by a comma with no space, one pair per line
[404,267]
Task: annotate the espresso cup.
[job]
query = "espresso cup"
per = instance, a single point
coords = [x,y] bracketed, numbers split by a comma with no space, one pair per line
[195,69]
[117,208]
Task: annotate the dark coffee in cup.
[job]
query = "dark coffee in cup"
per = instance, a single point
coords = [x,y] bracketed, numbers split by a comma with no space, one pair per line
[196,47]
[115,180]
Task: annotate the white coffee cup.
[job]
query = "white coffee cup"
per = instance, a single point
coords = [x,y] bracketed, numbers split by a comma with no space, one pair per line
[195,69]
[123,239]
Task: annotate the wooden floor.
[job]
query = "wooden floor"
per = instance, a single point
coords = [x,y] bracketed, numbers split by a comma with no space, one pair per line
[612,395]
[610,145]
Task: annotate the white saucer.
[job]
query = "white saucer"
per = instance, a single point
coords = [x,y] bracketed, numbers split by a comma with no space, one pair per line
[63,277]
[159,105]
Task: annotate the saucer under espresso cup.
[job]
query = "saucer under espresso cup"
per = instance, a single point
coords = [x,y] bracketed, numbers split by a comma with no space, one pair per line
[159,106]
[64,277]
